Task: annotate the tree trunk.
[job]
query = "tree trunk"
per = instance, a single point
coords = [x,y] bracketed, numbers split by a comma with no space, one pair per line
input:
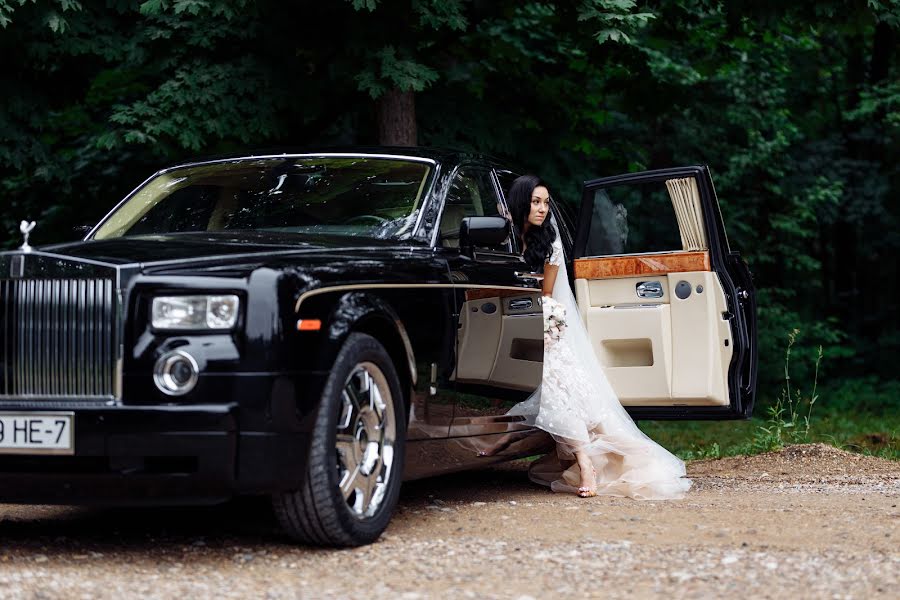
[395,112]
[882,44]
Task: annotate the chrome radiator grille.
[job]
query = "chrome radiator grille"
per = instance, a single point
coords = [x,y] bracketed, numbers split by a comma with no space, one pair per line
[57,338]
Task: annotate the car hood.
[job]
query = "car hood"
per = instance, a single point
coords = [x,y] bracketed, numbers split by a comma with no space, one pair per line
[218,248]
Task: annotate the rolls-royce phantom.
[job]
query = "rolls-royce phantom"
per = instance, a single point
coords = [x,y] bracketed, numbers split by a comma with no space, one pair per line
[319,326]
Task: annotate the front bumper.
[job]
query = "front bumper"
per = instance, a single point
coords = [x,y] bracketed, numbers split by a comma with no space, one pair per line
[139,455]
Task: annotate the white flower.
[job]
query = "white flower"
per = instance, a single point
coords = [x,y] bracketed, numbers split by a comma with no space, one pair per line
[559,312]
[554,319]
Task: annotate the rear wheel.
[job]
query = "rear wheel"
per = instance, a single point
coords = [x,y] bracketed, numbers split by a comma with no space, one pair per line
[355,462]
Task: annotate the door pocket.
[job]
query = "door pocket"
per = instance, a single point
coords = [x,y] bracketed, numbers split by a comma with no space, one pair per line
[629,353]
[527,349]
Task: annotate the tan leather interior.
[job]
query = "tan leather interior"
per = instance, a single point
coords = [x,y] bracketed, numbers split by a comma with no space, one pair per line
[225,205]
[664,351]
[452,217]
[501,340]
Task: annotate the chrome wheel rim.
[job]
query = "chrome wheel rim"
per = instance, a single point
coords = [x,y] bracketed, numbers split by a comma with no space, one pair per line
[366,432]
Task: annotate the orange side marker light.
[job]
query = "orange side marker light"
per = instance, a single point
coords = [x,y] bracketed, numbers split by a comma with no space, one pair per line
[309,324]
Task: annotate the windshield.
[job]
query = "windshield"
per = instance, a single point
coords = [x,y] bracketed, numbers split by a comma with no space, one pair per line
[364,196]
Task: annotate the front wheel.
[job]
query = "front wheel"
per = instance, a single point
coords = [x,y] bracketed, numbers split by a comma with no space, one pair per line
[355,464]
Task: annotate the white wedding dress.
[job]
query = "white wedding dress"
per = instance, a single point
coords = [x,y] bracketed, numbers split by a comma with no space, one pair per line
[578,407]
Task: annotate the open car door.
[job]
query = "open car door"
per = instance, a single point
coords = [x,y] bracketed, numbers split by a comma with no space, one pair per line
[669,308]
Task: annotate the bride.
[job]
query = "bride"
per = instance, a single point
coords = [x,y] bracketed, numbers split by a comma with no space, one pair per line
[599,448]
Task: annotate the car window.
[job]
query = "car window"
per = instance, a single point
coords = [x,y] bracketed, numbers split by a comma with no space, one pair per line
[328,195]
[632,219]
[471,194]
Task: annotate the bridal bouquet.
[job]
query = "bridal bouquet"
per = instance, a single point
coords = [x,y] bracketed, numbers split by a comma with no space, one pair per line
[554,319]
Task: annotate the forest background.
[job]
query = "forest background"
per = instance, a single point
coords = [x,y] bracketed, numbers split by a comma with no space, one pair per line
[794,105]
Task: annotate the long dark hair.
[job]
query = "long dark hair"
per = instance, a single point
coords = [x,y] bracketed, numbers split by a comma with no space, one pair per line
[537,240]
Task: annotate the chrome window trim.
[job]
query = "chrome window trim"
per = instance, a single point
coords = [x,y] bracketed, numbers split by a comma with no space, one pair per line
[498,189]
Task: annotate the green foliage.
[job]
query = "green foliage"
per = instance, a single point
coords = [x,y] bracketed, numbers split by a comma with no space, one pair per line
[368,5]
[394,71]
[852,431]
[438,14]
[786,422]
[615,16]
[54,16]
[795,107]
[177,113]
[702,452]
[867,395]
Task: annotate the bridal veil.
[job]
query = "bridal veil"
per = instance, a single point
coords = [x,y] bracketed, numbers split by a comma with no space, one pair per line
[577,405]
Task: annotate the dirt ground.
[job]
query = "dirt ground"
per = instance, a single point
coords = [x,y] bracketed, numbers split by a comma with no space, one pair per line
[808,522]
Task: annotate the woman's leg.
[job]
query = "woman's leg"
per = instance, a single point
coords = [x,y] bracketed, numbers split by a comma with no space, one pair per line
[588,486]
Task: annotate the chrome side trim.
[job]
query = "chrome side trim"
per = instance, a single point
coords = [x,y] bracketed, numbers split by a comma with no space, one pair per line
[384,286]
[626,306]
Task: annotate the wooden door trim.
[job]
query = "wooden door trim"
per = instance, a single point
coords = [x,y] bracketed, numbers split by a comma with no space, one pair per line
[487,292]
[608,267]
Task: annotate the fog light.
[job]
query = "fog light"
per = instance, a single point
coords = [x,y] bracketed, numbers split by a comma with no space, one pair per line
[176,373]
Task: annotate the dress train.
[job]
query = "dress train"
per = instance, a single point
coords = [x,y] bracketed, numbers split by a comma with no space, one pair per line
[578,407]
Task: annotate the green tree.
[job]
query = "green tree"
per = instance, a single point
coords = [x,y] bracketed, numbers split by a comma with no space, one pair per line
[795,106]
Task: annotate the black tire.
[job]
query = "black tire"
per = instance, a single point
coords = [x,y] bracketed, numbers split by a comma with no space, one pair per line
[317,512]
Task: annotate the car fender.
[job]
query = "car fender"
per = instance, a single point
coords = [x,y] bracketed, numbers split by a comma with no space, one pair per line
[365,312]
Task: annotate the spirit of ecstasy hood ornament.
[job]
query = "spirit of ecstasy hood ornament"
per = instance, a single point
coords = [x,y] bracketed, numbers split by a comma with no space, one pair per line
[25,227]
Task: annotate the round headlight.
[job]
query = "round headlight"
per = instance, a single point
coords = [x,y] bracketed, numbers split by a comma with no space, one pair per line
[176,373]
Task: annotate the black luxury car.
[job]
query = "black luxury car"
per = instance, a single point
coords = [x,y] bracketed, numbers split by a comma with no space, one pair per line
[319,326]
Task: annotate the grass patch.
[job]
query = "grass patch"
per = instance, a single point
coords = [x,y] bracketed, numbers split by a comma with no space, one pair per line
[878,435]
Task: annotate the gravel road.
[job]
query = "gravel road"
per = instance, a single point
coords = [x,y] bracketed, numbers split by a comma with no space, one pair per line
[808,522]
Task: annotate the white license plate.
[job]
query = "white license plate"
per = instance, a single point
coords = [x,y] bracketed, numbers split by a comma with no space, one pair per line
[37,433]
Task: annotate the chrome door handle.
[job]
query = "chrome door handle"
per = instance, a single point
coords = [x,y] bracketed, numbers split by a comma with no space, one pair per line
[520,304]
[649,289]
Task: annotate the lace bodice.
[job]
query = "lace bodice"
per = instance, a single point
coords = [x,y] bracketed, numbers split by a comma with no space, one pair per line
[556,253]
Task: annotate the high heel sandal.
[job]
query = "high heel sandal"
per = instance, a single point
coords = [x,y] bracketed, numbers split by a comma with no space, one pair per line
[587,492]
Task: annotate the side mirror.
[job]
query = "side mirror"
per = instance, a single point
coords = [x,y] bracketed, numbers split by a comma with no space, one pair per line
[482,231]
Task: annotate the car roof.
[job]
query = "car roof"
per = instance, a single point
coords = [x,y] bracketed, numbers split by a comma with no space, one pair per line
[437,154]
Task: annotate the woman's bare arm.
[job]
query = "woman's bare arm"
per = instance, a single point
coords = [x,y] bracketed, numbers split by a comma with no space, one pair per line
[550,272]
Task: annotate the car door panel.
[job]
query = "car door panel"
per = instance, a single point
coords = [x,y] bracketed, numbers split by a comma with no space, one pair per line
[498,343]
[660,351]
[671,327]
[499,357]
